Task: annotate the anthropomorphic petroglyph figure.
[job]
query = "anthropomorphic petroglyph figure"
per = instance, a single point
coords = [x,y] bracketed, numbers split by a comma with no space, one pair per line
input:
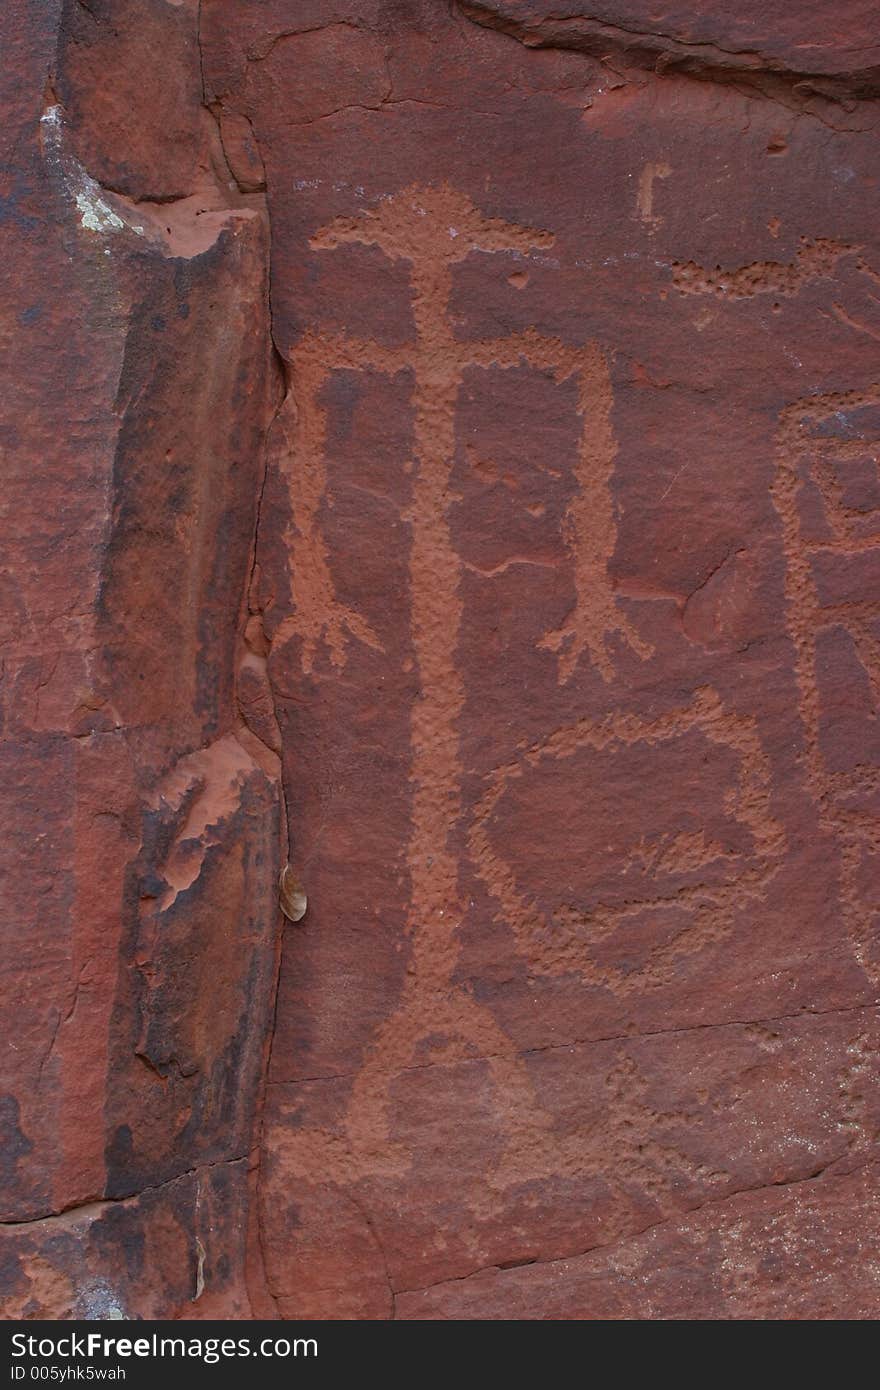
[432,229]
[436,1019]
[831,591]
[825,490]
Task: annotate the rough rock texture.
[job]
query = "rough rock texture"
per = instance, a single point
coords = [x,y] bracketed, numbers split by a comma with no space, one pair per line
[454,427]
[140,828]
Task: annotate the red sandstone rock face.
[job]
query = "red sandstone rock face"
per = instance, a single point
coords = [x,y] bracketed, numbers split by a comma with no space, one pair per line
[809,40]
[558,601]
[141,825]
[558,525]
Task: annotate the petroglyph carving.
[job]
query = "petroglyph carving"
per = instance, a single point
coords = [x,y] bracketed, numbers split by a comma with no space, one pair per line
[831,586]
[432,229]
[301,428]
[590,533]
[437,1019]
[650,173]
[831,539]
[813,260]
[703,911]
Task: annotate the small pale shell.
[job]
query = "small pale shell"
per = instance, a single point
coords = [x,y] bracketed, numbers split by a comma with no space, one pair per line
[291,895]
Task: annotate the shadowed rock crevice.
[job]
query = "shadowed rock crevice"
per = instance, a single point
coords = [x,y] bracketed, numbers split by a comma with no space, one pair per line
[833,67]
[148,1029]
